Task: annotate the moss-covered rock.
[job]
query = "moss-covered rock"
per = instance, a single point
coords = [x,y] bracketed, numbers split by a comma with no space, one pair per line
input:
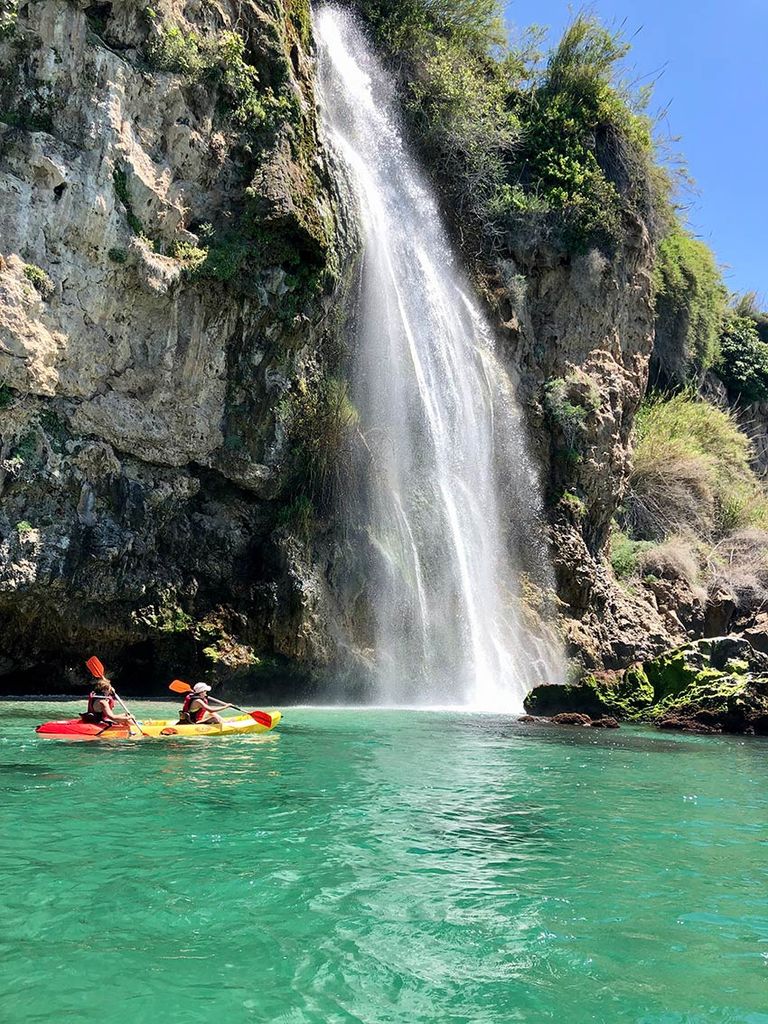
[624,695]
[710,685]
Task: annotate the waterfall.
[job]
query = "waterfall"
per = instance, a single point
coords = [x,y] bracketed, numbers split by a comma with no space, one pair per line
[452,504]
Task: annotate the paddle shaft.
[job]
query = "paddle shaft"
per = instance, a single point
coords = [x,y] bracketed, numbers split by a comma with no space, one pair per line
[131,717]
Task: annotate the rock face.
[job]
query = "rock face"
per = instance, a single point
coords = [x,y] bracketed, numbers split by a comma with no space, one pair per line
[710,685]
[176,264]
[579,331]
[171,251]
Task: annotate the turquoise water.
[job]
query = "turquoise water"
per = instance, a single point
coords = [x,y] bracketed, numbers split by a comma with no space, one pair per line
[380,866]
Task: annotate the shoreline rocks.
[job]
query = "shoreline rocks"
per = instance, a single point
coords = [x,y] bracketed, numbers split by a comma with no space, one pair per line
[571,718]
[717,685]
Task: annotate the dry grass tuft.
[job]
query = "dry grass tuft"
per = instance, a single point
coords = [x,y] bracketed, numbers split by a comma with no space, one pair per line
[675,559]
[691,473]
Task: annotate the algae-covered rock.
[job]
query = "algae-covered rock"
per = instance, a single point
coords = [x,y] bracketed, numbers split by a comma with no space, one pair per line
[622,695]
[712,685]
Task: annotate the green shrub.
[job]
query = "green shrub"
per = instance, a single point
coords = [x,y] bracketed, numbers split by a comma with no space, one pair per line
[192,256]
[459,110]
[219,60]
[691,472]
[6,396]
[120,181]
[743,365]
[9,15]
[23,528]
[624,553]
[117,255]
[569,401]
[584,149]
[690,301]
[510,140]
[39,279]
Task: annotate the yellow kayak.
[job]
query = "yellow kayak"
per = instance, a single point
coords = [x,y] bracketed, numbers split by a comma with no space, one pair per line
[160,728]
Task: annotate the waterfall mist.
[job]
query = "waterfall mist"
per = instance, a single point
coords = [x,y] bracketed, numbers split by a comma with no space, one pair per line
[452,506]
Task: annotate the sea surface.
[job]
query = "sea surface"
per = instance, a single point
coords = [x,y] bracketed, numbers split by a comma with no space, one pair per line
[383,867]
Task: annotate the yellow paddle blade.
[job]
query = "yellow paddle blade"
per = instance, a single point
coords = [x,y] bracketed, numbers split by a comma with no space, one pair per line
[179,687]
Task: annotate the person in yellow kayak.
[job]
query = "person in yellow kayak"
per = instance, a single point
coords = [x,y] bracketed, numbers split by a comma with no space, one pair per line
[101,705]
[197,710]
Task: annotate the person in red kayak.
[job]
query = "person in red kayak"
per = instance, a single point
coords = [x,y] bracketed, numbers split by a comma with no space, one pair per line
[197,710]
[101,704]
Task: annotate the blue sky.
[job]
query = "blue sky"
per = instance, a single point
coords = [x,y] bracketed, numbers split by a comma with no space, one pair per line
[710,59]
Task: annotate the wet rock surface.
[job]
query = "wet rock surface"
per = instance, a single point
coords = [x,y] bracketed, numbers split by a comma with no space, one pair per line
[168,284]
[708,686]
[571,718]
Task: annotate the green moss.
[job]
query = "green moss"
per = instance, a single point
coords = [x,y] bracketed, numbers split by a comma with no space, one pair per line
[9,16]
[708,691]
[318,416]
[42,283]
[627,696]
[574,504]
[625,552]
[120,180]
[56,430]
[737,666]
[166,617]
[27,447]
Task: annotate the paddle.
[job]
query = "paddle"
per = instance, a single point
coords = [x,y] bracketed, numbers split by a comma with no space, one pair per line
[96,669]
[178,686]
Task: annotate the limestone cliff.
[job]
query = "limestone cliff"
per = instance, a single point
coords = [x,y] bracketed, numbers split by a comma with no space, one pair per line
[578,329]
[174,261]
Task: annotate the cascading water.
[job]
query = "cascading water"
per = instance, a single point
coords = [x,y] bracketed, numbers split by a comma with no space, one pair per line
[448,463]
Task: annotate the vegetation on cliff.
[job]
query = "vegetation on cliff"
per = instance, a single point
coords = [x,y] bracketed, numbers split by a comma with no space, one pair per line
[691,471]
[513,137]
[690,302]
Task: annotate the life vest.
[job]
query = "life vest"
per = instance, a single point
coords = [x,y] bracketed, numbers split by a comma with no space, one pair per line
[191,716]
[94,714]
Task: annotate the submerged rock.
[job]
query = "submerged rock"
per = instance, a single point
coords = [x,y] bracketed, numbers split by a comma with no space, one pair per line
[571,718]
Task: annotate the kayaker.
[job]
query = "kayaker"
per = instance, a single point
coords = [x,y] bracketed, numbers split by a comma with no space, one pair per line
[197,711]
[101,703]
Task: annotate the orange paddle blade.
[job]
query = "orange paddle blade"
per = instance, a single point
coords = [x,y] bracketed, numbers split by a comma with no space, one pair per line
[262,717]
[179,687]
[96,668]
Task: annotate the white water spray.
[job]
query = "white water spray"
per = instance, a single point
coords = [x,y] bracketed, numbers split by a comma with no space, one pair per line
[452,498]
